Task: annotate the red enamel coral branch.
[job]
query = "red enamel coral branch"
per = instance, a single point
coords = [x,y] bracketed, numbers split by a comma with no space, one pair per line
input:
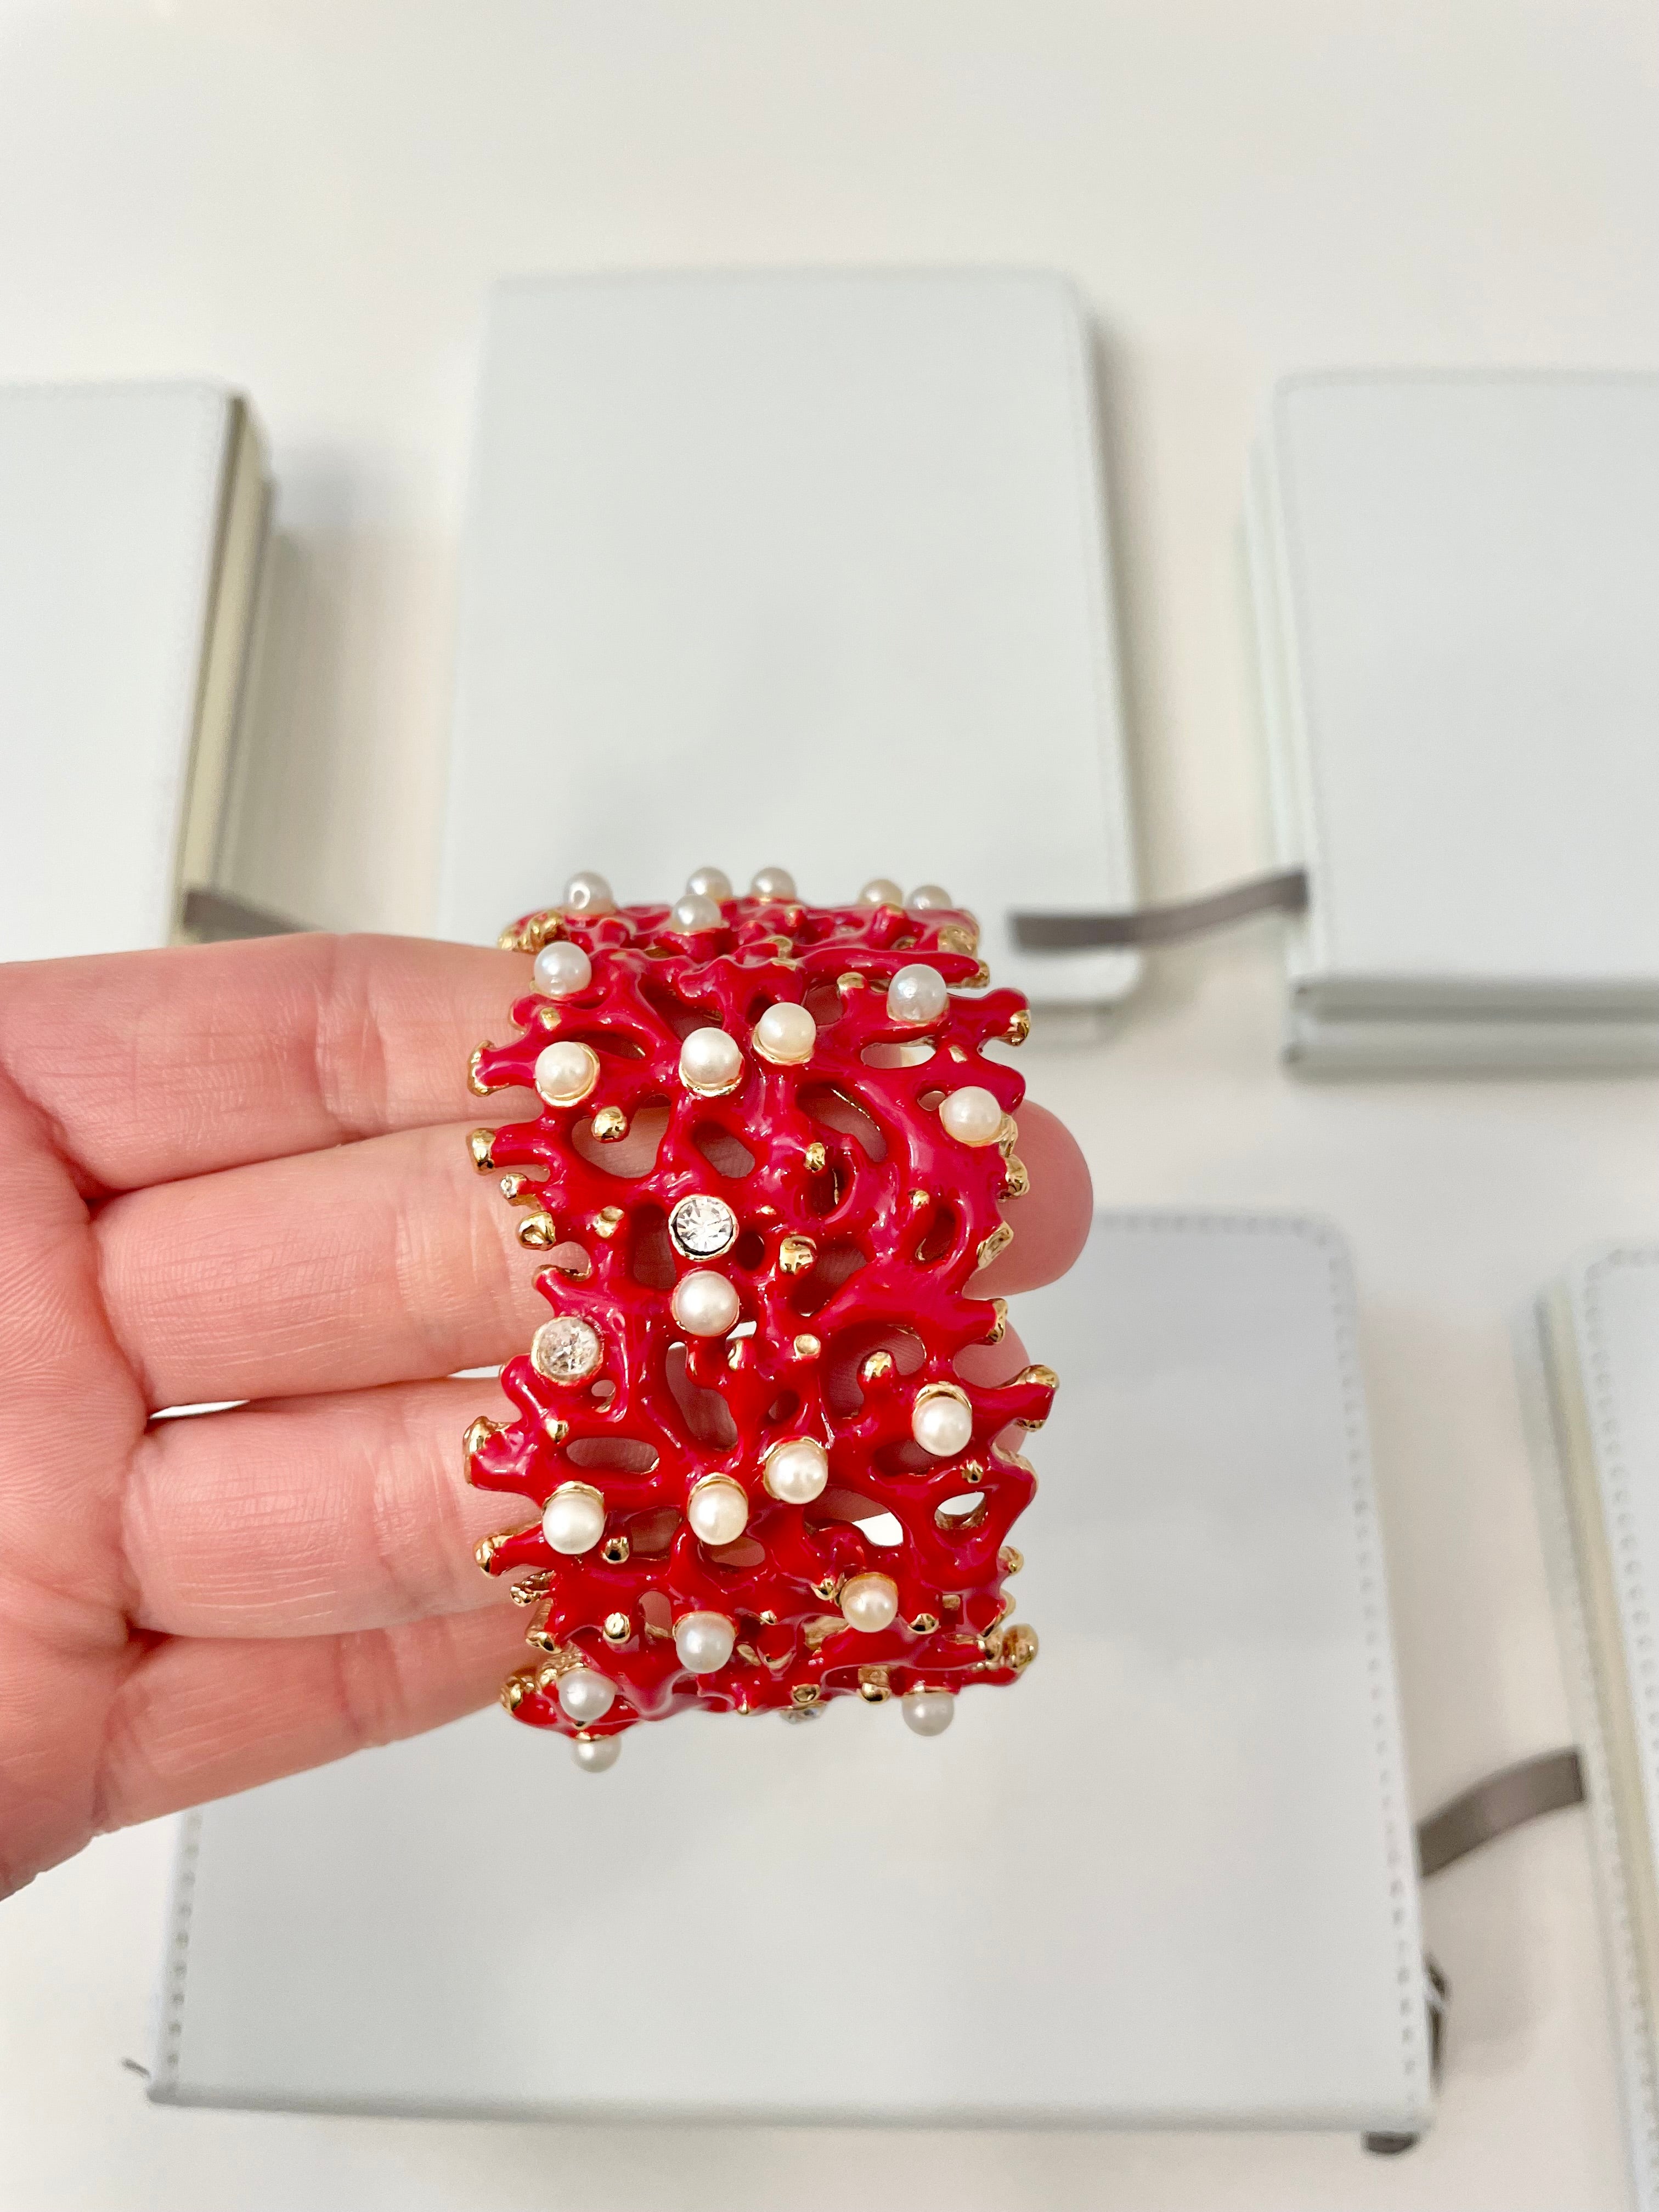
[770,1162]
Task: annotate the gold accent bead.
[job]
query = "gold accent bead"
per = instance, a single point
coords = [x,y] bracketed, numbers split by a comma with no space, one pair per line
[516,1689]
[1000,1325]
[979,979]
[1019,1180]
[876,1366]
[916,1199]
[850,979]
[808,1346]
[485,1550]
[615,1550]
[1051,1381]
[875,1685]
[925,1624]
[539,1231]
[1019,1025]
[531,935]
[555,1430]
[796,1254]
[958,937]
[479,1142]
[999,1241]
[803,1694]
[542,1637]
[608,1220]
[1011,1558]
[475,1082]
[826,1589]
[816,1158]
[1019,1646]
[610,1123]
[477,1435]
[618,1628]
[532,1590]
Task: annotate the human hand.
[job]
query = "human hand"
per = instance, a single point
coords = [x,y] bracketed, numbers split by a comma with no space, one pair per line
[239,1172]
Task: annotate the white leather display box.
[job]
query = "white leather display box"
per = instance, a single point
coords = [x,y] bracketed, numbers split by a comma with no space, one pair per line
[800,569]
[133,525]
[1456,577]
[1166,1878]
[1589,1358]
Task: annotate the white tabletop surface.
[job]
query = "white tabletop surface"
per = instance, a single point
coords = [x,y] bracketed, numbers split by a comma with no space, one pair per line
[309,200]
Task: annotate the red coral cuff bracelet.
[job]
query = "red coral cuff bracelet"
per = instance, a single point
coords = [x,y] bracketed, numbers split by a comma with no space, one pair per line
[768,1163]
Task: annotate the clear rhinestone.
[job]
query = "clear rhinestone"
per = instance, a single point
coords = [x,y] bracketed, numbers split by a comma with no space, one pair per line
[565,1349]
[703,1227]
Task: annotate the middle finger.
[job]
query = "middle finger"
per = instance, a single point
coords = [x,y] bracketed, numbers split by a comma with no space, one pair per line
[384,1261]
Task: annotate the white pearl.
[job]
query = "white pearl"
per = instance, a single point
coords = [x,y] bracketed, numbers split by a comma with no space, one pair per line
[574,1519]
[596,1755]
[971,1116]
[870,1603]
[704,1304]
[917,993]
[941,1423]
[710,1062]
[773,884]
[695,912]
[929,1712]
[718,1510]
[786,1032]
[586,1695]
[798,1472]
[703,1641]
[881,890]
[562,968]
[565,1072]
[588,894]
[926,897]
[713,882]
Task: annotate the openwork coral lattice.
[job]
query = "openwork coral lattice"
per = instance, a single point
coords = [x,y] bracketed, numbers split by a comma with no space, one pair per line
[770,1160]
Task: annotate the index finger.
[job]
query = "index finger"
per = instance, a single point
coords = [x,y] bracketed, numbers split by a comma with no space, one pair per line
[151,1066]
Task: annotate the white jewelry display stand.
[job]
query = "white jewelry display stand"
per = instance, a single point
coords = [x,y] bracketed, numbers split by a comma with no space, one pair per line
[1168,1877]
